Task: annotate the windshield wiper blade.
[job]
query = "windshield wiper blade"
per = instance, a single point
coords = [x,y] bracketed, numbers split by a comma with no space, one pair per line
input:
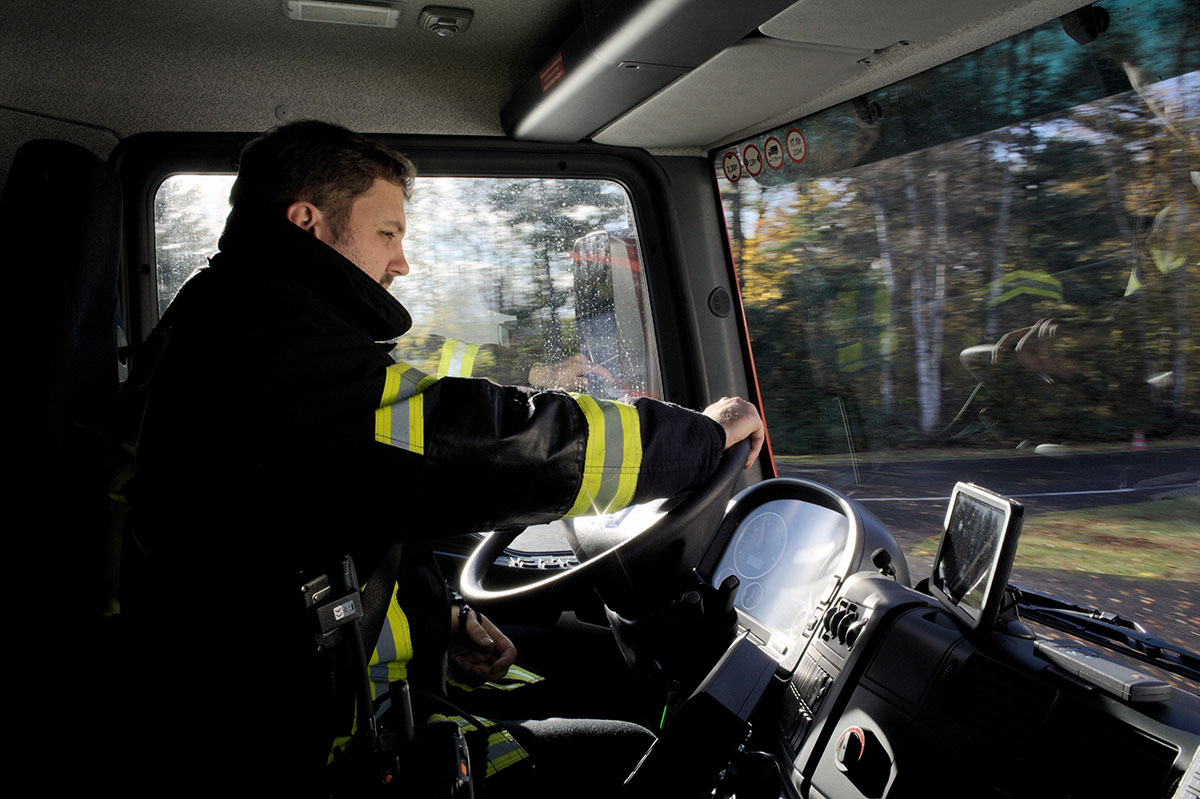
[1027,597]
[1107,629]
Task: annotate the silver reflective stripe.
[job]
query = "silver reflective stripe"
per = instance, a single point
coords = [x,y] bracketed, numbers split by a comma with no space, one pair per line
[503,748]
[400,417]
[385,653]
[405,425]
[458,359]
[403,381]
[613,457]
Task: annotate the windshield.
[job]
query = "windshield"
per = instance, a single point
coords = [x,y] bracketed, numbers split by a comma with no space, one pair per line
[990,272]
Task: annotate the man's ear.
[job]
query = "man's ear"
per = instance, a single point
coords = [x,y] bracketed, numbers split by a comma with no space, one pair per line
[307,216]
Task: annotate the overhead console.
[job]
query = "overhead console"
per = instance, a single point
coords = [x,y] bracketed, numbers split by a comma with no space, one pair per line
[648,73]
[625,51]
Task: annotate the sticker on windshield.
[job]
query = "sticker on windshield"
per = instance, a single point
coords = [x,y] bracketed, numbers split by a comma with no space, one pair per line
[797,147]
[753,160]
[774,152]
[732,166]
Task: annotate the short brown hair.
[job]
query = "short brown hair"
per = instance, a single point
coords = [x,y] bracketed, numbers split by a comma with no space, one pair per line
[318,162]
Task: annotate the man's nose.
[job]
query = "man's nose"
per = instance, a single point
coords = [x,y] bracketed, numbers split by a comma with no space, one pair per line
[399,265]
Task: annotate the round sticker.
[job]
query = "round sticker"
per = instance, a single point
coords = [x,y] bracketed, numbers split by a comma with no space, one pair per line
[732,166]
[797,147]
[774,152]
[753,160]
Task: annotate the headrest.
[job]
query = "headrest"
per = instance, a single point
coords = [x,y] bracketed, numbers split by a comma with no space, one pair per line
[60,230]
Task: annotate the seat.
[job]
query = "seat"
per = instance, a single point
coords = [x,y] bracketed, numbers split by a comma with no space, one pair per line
[60,222]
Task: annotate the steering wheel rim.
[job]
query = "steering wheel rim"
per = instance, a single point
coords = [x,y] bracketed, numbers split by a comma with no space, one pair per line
[710,496]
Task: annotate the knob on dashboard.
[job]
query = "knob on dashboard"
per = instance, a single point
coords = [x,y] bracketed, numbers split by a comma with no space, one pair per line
[851,747]
[862,758]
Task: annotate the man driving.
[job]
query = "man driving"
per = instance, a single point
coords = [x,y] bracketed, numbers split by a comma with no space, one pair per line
[279,434]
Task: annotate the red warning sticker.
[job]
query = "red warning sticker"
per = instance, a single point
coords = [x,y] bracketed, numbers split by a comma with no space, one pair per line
[552,73]
[753,160]
[774,151]
[732,167]
[797,147]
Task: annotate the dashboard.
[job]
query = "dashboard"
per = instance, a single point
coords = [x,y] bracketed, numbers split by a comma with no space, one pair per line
[877,690]
[785,554]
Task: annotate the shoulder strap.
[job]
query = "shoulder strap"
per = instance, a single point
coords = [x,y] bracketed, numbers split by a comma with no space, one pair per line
[377,595]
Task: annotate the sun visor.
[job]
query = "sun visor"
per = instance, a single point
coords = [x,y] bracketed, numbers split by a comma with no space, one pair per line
[877,24]
[625,51]
[749,81]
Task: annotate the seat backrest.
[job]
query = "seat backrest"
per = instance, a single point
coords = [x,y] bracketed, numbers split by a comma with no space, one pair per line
[60,230]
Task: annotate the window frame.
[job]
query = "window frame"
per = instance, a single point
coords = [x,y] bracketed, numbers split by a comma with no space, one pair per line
[144,161]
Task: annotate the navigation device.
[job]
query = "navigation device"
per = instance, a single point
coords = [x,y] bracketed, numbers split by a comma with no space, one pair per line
[974,557]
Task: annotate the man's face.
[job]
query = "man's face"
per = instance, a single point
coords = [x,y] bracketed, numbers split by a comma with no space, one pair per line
[372,237]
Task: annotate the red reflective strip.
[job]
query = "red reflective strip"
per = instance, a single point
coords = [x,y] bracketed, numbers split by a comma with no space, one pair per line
[552,73]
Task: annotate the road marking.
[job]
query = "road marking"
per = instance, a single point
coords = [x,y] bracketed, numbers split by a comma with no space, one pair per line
[999,456]
[1028,496]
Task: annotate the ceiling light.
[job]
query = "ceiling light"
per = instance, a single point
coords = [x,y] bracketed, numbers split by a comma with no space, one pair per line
[445,22]
[371,15]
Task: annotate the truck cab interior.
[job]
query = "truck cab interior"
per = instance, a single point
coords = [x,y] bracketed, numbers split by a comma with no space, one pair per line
[937,244]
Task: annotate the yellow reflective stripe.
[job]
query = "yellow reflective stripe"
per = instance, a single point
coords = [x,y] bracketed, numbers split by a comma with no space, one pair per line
[503,749]
[613,456]
[416,424]
[515,677]
[593,458]
[400,417]
[339,745]
[458,359]
[393,650]
[523,675]
[401,381]
[468,361]
[448,348]
[631,448]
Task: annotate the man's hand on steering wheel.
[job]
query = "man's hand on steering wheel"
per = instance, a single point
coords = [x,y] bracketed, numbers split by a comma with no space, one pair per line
[740,420]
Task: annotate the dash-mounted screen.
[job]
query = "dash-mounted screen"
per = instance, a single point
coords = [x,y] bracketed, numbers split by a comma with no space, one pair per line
[975,555]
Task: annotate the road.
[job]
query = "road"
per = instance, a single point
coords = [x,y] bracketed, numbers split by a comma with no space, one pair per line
[1043,483]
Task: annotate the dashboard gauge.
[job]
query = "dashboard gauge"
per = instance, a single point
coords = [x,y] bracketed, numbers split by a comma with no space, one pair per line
[760,545]
[750,595]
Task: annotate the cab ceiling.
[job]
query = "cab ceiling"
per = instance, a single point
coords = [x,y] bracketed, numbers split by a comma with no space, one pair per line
[110,70]
[242,65]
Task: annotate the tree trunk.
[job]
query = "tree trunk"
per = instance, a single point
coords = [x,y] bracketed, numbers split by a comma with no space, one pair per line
[1180,245]
[888,340]
[925,371]
[999,248]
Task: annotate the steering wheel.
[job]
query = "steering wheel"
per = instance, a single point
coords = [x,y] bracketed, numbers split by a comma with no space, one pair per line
[632,572]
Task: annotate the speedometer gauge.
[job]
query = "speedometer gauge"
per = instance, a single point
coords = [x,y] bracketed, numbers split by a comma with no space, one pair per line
[760,545]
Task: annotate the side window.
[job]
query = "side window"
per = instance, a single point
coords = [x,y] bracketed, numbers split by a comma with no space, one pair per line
[543,275]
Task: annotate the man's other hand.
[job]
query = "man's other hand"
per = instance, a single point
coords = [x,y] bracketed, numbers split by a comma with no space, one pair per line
[1054,348]
[740,420]
[569,374]
[479,652]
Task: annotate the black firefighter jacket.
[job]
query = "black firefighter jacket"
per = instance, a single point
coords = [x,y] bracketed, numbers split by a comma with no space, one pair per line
[278,433]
